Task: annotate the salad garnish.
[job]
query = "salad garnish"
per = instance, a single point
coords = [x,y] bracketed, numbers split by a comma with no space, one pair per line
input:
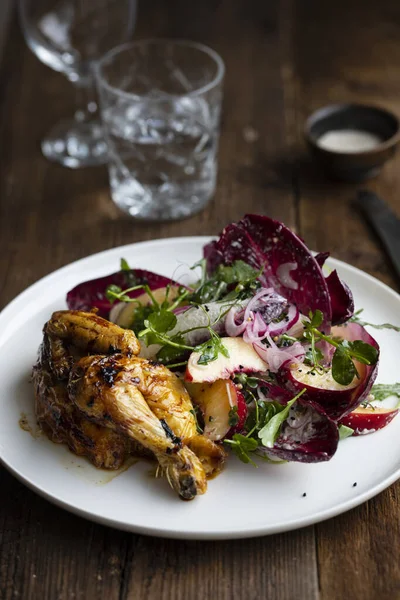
[297,361]
[356,319]
[382,391]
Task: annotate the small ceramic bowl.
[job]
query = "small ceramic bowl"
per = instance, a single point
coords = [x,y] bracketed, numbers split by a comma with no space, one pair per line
[357,165]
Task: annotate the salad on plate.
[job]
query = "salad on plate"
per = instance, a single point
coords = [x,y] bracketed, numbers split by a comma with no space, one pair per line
[263,357]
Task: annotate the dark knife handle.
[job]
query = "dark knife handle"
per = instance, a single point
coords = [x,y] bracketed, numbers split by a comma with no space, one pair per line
[384,222]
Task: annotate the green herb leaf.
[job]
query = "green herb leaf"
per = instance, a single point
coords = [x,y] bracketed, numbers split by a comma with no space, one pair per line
[345,432]
[316,318]
[169,354]
[309,356]
[237,272]
[381,391]
[113,292]
[270,431]
[139,316]
[210,350]
[355,319]
[343,369]
[124,265]
[233,417]
[242,446]
[162,320]
[209,353]
[363,352]
[218,286]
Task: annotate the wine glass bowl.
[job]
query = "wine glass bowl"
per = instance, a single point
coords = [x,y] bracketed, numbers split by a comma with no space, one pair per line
[69,36]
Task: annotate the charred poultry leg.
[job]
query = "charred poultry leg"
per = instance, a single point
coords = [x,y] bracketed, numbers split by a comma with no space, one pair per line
[91,333]
[170,402]
[108,391]
[113,404]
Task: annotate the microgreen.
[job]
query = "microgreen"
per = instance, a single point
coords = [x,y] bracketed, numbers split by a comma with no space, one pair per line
[114,292]
[381,391]
[242,446]
[237,280]
[124,265]
[233,417]
[345,432]
[262,425]
[210,349]
[356,319]
[343,367]
[128,273]
[270,431]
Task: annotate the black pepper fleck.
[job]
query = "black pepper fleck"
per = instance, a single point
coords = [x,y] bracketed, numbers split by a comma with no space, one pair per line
[109,374]
[355,484]
[304,495]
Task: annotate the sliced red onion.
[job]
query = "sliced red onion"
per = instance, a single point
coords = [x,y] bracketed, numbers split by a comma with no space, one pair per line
[251,334]
[181,309]
[231,328]
[254,302]
[297,329]
[259,325]
[290,319]
[276,358]
[284,276]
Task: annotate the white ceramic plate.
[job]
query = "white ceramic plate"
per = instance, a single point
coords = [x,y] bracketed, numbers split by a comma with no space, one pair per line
[242,501]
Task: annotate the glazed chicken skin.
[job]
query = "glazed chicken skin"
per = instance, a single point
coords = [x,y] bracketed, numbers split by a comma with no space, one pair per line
[107,390]
[62,422]
[95,394]
[91,333]
[170,402]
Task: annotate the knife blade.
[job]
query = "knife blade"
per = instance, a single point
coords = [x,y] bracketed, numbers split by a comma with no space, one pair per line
[384,222]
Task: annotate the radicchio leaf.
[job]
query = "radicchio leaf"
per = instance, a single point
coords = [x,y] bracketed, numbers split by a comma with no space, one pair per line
[234,244]
[280,245]
[307,435]
[342,301]
[321,258]
[264,242]
[92,294]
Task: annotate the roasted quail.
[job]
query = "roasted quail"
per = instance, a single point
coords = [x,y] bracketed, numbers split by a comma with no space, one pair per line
[94,394]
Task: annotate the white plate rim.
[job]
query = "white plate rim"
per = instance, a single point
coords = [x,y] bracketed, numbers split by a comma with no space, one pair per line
[287,525]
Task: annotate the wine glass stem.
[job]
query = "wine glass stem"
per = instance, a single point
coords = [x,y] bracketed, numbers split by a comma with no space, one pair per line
[86,100]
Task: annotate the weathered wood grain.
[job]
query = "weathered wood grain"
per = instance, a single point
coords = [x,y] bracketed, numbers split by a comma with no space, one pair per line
[345,52]
[283,59]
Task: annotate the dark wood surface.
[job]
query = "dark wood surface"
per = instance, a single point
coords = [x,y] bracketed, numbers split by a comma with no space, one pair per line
[283,60]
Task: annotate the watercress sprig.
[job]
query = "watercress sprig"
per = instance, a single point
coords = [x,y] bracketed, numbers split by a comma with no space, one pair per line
[237,280]
[264,428]
[343,368]
[356,319]
[381,391]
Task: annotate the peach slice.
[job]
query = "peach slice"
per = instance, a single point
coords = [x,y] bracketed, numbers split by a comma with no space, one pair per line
[223,407]
[242,358]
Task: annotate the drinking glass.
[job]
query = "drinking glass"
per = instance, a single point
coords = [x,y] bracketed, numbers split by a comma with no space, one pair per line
[160,103]
[69,36]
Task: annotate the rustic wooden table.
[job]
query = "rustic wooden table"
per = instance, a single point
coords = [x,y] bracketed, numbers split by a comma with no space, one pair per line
[283,60]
